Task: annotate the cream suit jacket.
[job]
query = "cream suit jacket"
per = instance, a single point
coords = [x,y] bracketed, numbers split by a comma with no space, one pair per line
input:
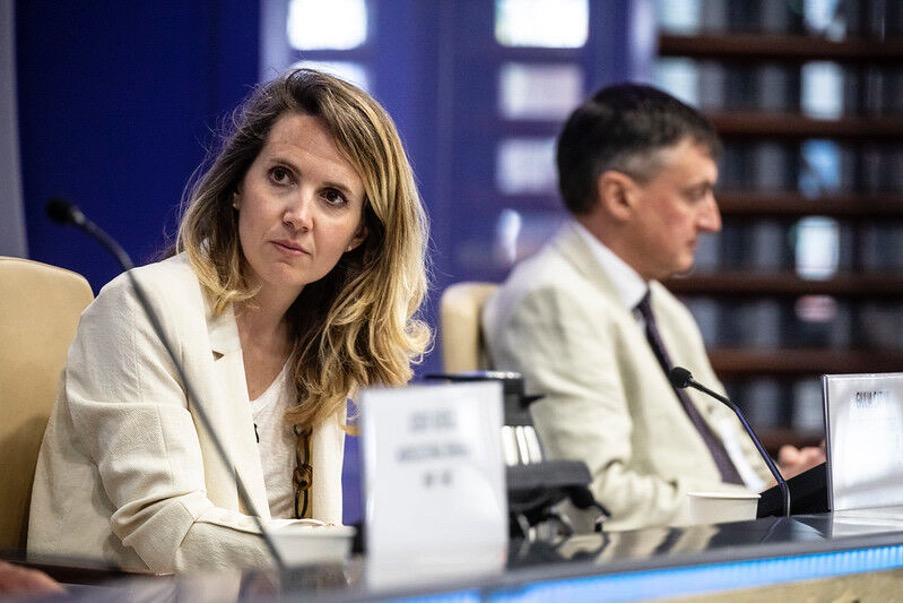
[559,322]
[126,471]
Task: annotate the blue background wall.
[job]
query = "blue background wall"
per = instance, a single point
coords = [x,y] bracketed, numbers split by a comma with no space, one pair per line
[116,103]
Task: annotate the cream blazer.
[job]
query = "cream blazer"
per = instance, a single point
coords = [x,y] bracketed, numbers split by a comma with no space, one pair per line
[558,321]
[126,472]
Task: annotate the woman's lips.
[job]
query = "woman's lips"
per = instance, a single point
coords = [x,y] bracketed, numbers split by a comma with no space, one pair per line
[290,247]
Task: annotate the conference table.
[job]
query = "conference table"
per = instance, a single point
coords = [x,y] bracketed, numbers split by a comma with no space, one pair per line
[851,555]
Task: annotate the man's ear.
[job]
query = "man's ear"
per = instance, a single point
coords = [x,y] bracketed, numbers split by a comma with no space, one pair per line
[616,193]
[359,237]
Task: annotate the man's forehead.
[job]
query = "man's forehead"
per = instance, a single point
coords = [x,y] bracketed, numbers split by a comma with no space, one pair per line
[689,158]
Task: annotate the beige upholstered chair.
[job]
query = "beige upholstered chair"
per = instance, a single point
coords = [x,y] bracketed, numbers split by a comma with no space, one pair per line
[459,325]
[40,306]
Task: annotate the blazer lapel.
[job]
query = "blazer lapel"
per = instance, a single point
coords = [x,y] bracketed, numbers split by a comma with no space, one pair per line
[570,245]
[573,247]
[230,414]
[683,355]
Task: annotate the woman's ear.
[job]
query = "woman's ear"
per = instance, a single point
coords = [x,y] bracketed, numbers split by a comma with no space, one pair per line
[359,237]
[616,194]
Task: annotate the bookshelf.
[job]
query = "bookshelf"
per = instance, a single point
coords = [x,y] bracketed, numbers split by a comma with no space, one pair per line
[792,204]
[790,125]
[743,283]
[811,122]
[794,362]
[778,47]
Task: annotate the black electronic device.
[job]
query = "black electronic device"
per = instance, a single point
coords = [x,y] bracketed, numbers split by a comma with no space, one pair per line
[534,484]
[810,494]
[515,403]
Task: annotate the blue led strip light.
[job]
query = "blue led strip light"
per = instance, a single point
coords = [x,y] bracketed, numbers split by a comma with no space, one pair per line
[464,595]
[690,580]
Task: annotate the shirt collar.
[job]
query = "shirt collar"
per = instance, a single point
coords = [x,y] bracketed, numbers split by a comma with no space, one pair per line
[629,285]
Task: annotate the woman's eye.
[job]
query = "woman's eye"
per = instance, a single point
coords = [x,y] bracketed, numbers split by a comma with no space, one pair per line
[334,197]
[280,175]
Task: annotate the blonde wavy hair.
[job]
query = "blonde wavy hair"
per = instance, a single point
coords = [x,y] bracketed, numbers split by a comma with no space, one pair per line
[356,326]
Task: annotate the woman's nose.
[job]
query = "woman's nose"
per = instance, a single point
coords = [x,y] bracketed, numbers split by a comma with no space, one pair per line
[298,213]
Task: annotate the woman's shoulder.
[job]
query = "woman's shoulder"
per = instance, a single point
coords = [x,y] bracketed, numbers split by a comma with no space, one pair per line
[164,278]
[170,283]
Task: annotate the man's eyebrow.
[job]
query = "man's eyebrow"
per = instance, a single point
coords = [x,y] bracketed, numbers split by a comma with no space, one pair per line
[705,185]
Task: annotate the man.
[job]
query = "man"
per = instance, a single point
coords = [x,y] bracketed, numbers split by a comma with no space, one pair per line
[589,325]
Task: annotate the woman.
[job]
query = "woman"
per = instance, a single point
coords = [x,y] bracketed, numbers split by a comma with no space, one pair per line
[300,266]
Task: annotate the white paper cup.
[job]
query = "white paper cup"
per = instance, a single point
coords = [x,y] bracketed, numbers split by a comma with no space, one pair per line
[302,544]
[713,508]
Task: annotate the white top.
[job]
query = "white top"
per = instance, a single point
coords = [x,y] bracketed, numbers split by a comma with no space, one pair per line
[276,444]
[631,288]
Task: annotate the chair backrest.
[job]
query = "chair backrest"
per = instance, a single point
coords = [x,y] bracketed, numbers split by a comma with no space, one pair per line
[459,325]
[40,306]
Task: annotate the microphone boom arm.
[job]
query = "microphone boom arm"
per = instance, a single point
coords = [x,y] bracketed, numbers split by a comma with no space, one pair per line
[681,378]
[76,218]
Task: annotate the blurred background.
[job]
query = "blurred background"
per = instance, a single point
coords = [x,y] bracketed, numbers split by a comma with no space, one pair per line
[113,104]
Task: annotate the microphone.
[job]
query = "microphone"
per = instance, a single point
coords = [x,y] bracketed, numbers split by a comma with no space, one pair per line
[682,378]
[66,213]
[62,212]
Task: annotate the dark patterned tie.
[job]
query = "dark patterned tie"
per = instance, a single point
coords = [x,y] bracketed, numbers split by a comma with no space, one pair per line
[716,448]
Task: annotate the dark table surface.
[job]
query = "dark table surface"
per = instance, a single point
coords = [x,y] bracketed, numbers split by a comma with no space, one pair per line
[643,564]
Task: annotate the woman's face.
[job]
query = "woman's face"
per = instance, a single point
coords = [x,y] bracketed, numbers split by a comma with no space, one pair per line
[300,206]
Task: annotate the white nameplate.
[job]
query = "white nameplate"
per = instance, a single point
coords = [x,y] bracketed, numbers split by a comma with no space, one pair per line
[434,476]
[863,440]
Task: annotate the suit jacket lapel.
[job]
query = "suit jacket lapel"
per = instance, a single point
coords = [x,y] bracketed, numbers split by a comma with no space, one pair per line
[230,414]
[681,354]
[572,246]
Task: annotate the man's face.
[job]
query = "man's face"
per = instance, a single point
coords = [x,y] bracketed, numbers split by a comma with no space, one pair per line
[673,208]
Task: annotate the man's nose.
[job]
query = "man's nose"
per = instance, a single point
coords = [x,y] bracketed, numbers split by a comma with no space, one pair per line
[710,219]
